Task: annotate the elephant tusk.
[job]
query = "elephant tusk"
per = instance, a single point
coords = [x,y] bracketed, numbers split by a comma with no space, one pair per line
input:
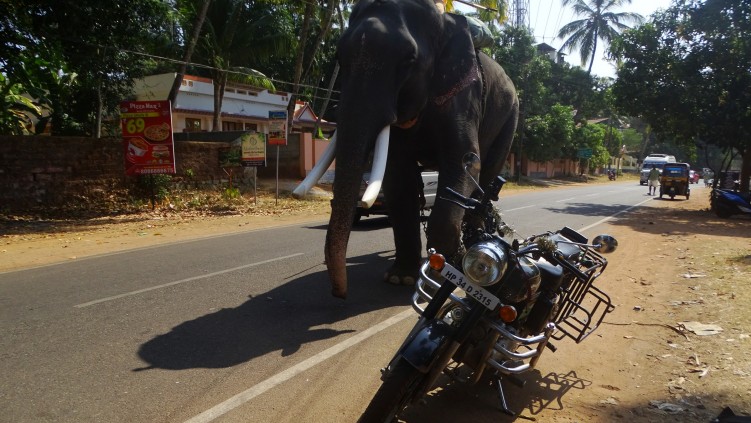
[318,170]
[379,168]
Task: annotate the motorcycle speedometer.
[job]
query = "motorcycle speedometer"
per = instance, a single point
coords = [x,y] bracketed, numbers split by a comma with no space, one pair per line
[484,263]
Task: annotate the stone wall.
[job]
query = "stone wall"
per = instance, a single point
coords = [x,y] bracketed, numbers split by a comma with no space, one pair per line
[43,171]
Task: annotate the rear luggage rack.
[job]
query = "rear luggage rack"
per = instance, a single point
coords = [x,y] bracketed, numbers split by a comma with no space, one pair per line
[583,306]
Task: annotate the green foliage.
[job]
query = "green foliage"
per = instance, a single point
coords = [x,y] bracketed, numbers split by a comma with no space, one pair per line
[15,109]
[549,136]
[687,72]
[51,40]
[152,187]
[592,136]
[231,193]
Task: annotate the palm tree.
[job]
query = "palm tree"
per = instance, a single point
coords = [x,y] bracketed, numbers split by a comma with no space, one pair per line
[237,35]
[599,22]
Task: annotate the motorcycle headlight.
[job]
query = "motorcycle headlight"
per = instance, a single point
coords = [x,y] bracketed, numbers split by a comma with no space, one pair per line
[485,263]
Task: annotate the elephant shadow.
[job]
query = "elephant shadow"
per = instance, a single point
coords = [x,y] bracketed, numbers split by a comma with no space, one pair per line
[283,319]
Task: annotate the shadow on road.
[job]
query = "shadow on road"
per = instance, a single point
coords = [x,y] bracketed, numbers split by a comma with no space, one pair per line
[283,319]
[660,220]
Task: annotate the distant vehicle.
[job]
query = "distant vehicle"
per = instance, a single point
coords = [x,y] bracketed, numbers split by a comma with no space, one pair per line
[430,186]
[693,177]
[657,160]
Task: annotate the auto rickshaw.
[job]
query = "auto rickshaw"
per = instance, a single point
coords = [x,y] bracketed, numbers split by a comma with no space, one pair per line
[674,180]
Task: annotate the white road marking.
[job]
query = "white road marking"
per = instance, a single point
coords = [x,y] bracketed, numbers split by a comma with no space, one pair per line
[279,378]
[566,199]
[519,208]
[208,275]
[613,215]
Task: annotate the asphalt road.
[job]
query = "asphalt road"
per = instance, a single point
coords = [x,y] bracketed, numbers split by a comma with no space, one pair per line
[231,328]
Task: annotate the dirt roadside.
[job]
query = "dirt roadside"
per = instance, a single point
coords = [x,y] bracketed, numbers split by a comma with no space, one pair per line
[676,262]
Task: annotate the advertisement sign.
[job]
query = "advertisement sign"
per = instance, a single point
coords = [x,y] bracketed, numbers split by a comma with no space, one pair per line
[278,127]
[147,137]
[253,149]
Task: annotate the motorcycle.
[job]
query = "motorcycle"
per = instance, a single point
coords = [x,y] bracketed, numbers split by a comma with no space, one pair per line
[513,298]
[611,175]
[725,203]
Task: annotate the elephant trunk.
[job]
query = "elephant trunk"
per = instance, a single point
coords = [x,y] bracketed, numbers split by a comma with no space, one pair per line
[350,166]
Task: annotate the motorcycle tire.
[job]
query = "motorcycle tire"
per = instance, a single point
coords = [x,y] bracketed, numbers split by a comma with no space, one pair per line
[394,394]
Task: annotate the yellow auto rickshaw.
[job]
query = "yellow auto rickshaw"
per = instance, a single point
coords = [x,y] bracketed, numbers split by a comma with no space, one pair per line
[674,180]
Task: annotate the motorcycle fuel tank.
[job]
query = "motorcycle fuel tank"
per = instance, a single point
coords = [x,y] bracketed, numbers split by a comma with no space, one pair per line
[522,283]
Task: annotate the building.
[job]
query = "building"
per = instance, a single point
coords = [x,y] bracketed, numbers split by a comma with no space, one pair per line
[551,52]
[244,107]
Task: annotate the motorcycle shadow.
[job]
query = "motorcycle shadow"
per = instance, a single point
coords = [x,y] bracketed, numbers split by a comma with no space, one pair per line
[458,401]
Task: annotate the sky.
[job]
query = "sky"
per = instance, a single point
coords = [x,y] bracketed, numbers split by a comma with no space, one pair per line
[546,17]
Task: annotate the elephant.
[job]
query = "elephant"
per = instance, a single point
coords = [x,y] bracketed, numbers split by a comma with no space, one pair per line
[414,93]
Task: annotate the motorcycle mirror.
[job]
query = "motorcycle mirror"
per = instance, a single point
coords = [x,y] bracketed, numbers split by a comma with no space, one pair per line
[604,244]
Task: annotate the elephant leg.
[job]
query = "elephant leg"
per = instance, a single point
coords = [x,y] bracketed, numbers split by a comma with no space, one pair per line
[401,189]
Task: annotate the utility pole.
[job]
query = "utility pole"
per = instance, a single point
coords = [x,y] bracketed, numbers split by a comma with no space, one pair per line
[519,13]
[519,16]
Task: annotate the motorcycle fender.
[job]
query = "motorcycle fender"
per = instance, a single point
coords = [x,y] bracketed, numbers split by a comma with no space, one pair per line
[424,346]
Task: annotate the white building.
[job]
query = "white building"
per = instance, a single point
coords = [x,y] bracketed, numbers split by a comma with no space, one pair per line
[244,107]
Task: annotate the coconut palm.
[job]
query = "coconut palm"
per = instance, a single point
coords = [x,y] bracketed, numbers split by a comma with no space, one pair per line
[599,23]
[238,34]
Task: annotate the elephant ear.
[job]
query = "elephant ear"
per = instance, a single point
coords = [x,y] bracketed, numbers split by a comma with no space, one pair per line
[455,60]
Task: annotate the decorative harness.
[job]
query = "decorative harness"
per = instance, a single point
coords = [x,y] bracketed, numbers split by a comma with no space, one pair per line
[473,74]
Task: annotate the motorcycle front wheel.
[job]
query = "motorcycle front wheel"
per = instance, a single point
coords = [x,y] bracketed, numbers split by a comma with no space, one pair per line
[394,395]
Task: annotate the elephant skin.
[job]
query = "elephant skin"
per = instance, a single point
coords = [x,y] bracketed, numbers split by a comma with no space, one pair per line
[406,66]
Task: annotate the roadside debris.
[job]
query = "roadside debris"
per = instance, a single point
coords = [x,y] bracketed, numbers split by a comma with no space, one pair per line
[700,329]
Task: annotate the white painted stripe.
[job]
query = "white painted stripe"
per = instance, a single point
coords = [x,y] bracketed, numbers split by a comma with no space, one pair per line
[518,208]
[612,216]
[565,199]
[194,278]
[252,392]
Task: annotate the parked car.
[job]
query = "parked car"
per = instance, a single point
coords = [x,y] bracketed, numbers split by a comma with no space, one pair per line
[430,186]
[693,177]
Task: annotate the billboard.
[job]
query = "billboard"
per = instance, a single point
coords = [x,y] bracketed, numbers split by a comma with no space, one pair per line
[147,137]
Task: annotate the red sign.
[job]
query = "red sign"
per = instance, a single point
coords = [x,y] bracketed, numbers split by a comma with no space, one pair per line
[278,127]
[147,137]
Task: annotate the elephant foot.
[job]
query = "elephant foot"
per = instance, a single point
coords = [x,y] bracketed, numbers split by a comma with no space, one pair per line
[400,277]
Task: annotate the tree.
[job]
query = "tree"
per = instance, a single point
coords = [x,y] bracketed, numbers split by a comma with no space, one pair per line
[239,35]
[592,136]
[549,136]
[196,34]
[599,23]
[103,44]
[17,110]
[687,73]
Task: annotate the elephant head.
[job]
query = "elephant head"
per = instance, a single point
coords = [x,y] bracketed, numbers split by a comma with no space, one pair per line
[404,68]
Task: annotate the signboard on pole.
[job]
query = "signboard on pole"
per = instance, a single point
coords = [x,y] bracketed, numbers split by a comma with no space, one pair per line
[278,127]
[248,150]
[253,149]
[584,153]
[147,137]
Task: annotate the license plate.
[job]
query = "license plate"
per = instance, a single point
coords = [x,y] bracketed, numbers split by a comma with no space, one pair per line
[481,295]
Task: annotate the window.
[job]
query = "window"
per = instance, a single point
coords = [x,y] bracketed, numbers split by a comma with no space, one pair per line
[251,127]
[192,125]
[232,126]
